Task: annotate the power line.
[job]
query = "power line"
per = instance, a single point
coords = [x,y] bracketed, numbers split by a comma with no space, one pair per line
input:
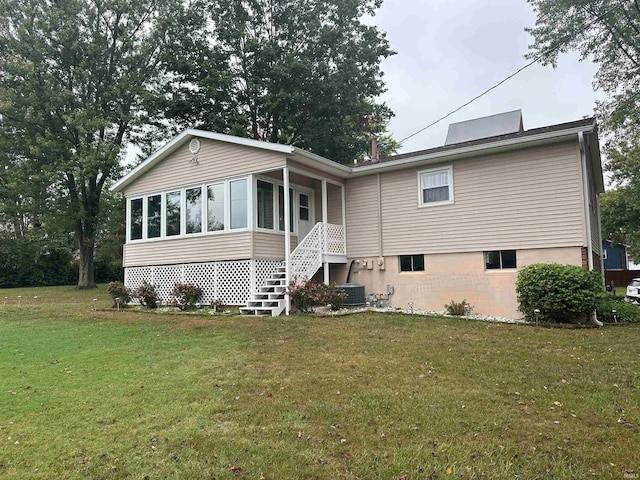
[535,60]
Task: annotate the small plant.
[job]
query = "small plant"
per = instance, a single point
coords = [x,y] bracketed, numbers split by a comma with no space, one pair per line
[562,293]
[306,295]
[146,295]
[458,308]
[624,311]
[119,291]
[187,295]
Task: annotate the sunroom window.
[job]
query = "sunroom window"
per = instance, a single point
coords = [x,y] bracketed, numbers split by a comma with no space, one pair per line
[281,209]
[173,200]
[436,186]
[135,227]
[238,203]
[264,200]
[194,210]
[215,207]
[154,215]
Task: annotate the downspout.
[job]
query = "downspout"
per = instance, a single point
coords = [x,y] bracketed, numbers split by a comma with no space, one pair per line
[587,216]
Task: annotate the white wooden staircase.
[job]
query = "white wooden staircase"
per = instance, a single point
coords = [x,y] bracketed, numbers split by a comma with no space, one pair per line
[324,243]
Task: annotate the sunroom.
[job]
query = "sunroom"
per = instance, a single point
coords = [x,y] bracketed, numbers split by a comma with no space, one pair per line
[206,209]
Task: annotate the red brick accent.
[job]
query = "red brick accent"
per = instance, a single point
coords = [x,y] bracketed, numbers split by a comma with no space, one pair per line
[585,257]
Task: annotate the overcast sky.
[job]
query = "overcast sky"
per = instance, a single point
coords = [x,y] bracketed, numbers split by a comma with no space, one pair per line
[450,51]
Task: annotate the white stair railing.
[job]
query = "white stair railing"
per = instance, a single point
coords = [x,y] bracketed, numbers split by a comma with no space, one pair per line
[306,259]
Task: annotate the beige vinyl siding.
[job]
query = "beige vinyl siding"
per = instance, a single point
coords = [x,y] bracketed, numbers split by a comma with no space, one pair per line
[270,245]
[362,215]
[334,204]
[515,200]
[216,160]
[318,174]
[200,248]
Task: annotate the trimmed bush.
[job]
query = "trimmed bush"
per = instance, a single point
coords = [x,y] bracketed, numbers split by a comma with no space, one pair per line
[146,295]
[187,295]
[305,296]
[562,293]
[625,311]
[118,290]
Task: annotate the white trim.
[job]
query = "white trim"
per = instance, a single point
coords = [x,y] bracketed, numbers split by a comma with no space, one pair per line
[287,235]
[421,173]
[585,194]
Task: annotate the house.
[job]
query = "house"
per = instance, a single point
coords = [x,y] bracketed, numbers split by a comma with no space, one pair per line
[614,256]
[448,223]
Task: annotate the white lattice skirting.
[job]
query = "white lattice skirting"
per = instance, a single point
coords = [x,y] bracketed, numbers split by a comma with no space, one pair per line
[229,282]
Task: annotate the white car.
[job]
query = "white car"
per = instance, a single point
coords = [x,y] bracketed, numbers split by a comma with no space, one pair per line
[633,291]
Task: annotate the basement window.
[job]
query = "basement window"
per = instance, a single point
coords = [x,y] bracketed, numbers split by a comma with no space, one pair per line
[499,259]
[411,263]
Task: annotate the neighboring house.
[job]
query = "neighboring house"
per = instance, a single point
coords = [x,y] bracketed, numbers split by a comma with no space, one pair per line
[614,256]
[449,223]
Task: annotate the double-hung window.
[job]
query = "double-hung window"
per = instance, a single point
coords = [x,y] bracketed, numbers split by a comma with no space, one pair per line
[435,186]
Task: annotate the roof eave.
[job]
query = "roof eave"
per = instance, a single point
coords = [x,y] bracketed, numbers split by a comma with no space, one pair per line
[484,148]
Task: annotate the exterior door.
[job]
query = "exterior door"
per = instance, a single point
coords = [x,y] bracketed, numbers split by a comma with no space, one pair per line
[306,215]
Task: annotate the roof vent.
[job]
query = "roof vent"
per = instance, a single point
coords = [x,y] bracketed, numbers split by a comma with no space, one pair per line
[485,127]
[194,146]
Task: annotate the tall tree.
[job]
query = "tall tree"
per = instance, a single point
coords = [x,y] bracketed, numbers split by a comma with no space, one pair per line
[74,79]
[607,32]
[621,207]
[305,73]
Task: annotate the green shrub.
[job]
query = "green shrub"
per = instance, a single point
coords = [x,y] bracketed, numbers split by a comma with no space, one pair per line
[187,295]
[562,293]
[458,308]
[625,311]
[146,295]
[306,295]
[119,291]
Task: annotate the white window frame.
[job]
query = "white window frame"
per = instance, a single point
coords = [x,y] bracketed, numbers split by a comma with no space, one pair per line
[422,173]
[276,205]
[183,212]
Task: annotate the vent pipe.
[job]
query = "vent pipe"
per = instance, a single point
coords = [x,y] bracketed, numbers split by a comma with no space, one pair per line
[375,155]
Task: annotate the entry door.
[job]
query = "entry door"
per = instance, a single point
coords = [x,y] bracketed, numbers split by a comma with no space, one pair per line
[306,216]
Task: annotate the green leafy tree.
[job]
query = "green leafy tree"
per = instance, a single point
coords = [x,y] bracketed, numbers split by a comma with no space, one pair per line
[75,77]
[621,207]
[296,72]
[607,32]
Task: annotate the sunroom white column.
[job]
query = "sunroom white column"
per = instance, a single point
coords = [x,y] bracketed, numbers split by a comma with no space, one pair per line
[343,199]
[287,232]
[325,220]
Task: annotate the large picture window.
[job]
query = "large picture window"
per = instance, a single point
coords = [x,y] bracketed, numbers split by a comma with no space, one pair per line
[436,186]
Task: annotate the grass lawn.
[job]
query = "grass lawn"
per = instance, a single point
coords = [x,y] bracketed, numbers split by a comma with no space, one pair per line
[105,394]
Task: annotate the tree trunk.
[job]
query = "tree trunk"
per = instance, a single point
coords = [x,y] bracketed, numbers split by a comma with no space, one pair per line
[86,278]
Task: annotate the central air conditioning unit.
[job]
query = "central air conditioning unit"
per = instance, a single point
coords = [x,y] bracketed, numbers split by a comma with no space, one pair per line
[355,294]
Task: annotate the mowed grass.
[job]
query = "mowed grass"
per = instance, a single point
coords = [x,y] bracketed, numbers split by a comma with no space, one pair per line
[105,394]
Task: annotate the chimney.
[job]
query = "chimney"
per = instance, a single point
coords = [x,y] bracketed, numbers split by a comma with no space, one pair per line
[375,155]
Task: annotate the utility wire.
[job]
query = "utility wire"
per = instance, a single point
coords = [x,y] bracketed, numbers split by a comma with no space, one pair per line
[535,60]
